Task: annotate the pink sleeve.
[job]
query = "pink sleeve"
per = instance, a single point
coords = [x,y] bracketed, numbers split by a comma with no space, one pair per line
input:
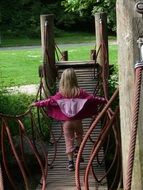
[100,100]
[57,96]
[51,100]
[42,103]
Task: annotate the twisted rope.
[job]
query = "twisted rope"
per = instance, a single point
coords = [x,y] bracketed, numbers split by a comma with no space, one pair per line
[86,137]
[97,148]
[134,128]
[1,179]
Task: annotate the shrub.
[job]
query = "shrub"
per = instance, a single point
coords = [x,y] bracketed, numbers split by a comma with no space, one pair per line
[17,104]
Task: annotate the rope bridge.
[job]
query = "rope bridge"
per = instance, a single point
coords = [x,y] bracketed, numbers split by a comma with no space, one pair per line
[100,147]
[50,158]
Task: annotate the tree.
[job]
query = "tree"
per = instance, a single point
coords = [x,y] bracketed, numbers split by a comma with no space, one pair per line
[84,7]
[22,18]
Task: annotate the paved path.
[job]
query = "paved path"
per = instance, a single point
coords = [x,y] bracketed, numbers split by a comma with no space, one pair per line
[113,42]
[27,89]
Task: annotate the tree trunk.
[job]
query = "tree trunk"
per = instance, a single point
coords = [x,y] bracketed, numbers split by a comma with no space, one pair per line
[128,26]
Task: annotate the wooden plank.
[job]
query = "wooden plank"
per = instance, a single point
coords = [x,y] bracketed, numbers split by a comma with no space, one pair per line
[128,55]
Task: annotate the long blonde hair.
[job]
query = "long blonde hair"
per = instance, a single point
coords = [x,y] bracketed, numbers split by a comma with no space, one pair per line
[68,85]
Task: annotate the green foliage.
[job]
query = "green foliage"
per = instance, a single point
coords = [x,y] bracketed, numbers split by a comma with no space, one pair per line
[22,18]
[14,104]
[84,8]
[113,79]
[109,7]
[17,104]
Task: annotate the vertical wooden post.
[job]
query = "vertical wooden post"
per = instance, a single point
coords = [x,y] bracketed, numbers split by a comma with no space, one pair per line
[127,34]
[93,54]
[48,49]
[103,60]
[65,56]
[102,44]
[101,35]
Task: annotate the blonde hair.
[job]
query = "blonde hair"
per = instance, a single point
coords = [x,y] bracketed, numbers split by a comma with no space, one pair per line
[68,85]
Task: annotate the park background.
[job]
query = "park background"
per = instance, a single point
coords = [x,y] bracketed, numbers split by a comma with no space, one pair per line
[20,40]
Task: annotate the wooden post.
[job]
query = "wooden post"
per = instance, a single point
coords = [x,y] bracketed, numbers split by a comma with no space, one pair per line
[103,60]
[102,47]
[48,49]
[65,56]
[101,35]
[93,54]
[128,25]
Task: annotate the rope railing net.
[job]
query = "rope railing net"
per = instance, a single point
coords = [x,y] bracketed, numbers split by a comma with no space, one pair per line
[19,146]
[31,138]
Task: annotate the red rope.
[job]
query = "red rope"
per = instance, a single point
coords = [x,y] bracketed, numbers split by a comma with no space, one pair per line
[86,137]
[136,103]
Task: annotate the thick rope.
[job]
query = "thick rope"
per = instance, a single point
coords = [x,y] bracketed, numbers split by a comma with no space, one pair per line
[22,131]
[1,180]
[98,146]
[86,137]
[134,128]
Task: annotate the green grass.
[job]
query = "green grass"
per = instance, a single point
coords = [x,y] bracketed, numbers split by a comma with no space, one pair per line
[61,38]
[20,66]
[113,50]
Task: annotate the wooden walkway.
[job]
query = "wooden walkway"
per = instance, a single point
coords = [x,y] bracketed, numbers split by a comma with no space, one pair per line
[59,178]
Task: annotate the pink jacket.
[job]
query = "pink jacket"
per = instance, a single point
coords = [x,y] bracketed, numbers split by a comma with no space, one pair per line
[79,107]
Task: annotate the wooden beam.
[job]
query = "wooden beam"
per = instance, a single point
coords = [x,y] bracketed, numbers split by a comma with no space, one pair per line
[102,48]
[48,49]
[128,27]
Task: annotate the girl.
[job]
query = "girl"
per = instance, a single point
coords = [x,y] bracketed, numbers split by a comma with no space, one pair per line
[71,104]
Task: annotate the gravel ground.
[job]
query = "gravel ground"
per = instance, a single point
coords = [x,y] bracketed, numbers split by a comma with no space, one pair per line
[27,89]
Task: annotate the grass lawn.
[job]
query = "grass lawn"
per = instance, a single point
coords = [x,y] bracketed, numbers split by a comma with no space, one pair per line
[60,38]
[20,66]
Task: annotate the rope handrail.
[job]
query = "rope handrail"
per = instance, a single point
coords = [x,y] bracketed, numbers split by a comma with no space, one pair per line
[6,133]
[98,143]
[135,114]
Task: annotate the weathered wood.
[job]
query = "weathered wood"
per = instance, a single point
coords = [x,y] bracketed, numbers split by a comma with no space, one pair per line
[127,35]
[93,54]
[101,35]
[65,55]
[102,47]
[48,49]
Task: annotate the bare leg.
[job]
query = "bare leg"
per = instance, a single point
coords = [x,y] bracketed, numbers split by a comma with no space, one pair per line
[78,132]
[70,156]
[68,130]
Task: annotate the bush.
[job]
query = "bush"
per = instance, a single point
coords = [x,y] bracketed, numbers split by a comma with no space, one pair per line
[113,79]
[17,104]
